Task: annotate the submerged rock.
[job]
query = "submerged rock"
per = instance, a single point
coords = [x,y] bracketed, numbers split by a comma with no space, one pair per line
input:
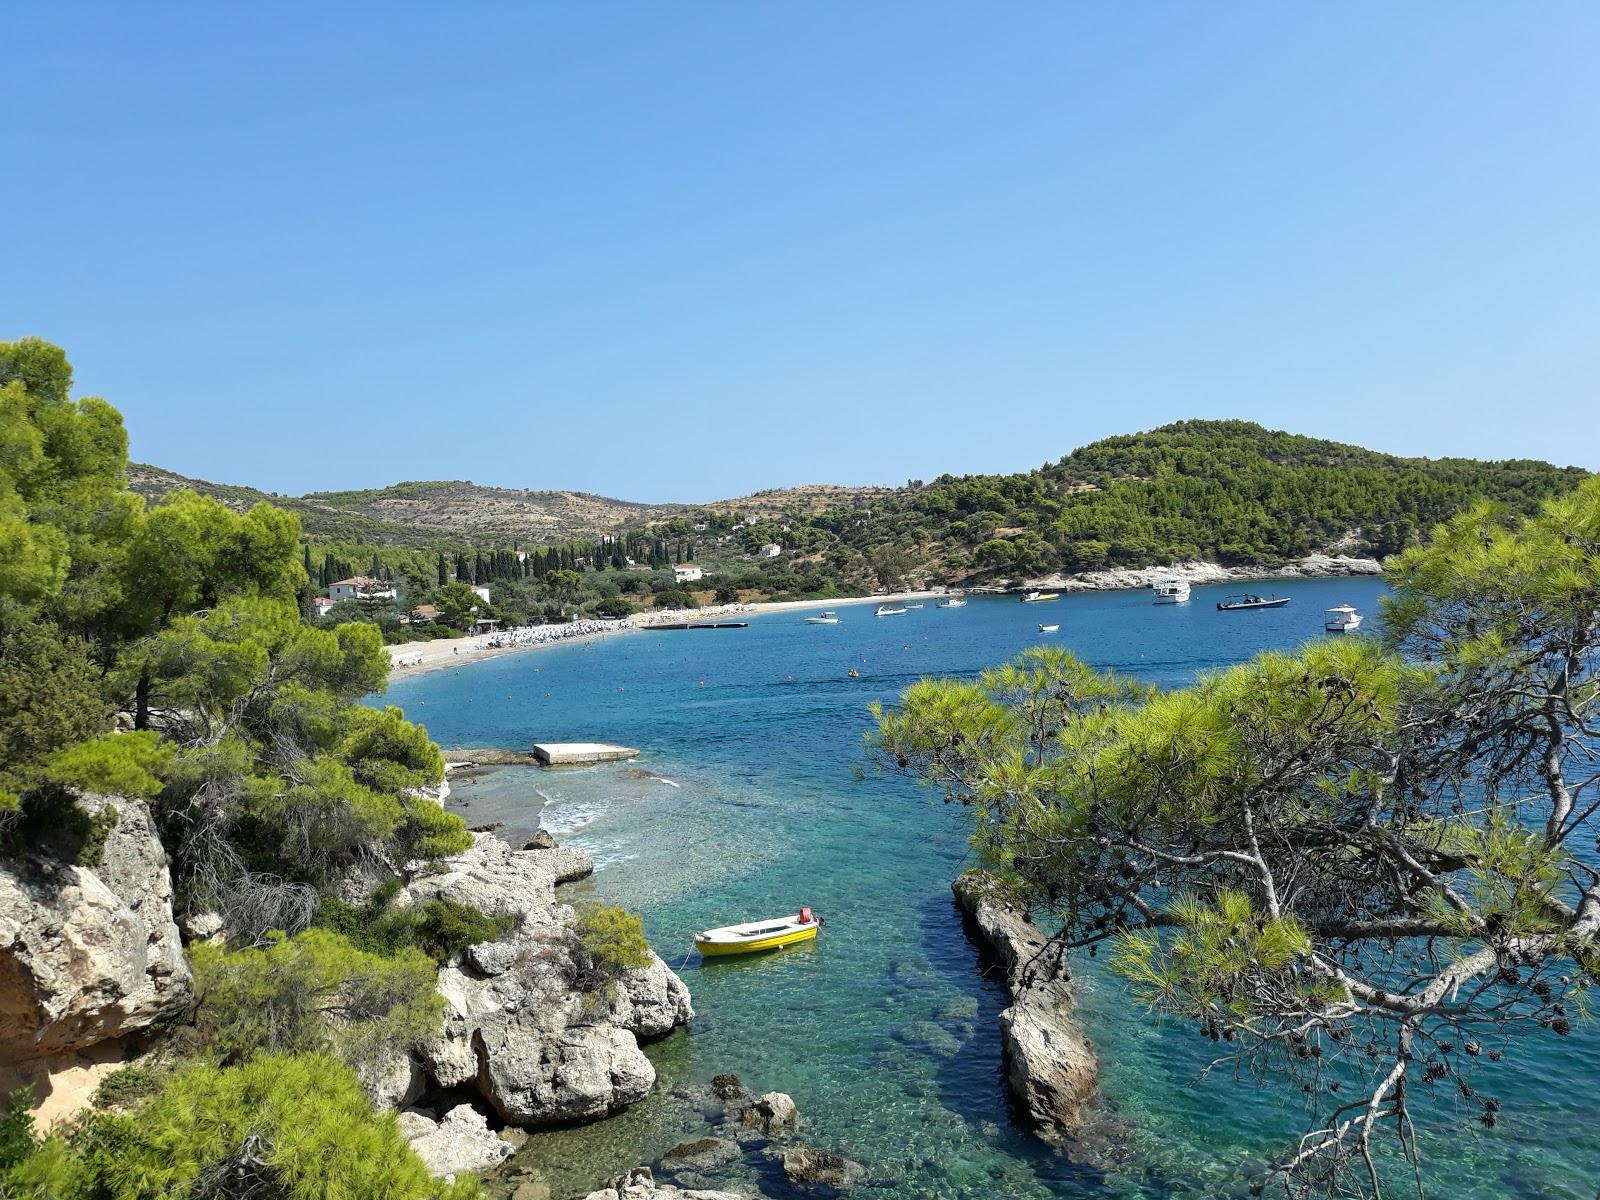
[773,1114]
[640,1184]
[702,1154]
[1050,1063]
[728,1087]
[462,1141]
[813,1168]
[89,953]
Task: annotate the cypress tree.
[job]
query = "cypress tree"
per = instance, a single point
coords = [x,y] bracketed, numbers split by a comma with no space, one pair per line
[444,570]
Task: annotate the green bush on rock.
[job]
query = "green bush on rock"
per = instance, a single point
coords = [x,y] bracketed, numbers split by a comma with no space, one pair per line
[290,1127]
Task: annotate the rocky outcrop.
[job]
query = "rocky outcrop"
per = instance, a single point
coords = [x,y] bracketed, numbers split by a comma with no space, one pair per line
[640,1184]
[459,1142]
[518,1029]
[1050,1064]
[89,954]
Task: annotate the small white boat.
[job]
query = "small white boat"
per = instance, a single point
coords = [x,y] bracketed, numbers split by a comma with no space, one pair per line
[914,606]
[890,610]
[952,602]
[1040,597]
[826,618]
[1049,628]
[1171,591]
[1342,618]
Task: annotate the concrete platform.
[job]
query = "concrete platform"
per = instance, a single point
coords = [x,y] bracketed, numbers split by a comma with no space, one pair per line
[579,754]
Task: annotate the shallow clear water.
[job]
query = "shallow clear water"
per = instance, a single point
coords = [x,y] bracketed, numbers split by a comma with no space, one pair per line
[884,1030]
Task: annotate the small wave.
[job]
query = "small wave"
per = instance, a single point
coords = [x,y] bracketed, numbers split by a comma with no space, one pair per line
[569,818]
[669,782]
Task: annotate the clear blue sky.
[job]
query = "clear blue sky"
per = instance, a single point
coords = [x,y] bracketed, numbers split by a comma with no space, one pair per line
[682,251]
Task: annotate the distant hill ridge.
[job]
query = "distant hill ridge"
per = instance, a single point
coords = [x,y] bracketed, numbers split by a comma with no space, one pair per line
[1223,490]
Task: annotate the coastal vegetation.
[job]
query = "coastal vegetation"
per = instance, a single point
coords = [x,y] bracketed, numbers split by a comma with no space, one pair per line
[156,653]
[1364,870]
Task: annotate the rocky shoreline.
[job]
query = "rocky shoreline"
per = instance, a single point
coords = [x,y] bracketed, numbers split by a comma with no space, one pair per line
[92,965]
[1312,566]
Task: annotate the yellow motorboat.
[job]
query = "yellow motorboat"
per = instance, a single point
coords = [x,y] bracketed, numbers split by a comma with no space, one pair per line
[754,936]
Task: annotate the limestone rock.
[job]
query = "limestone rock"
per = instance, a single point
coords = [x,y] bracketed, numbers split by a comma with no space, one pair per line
[516,1029]
[773,1113]
[541,840]
[462,1141]
[640,1184]
[810,1167]
[395,1080]
[88,954]
[501,881]
[492,958]
[1050,1063]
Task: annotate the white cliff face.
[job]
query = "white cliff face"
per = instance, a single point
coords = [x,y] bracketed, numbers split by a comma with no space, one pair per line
[517,1030]
[89,954]
[1313,566]
[1050,1063]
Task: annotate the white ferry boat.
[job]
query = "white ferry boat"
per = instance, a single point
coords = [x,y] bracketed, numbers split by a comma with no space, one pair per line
[1342,618]
[1171,591]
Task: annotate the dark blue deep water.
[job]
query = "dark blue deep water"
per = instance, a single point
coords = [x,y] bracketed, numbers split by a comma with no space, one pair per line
[883,1030]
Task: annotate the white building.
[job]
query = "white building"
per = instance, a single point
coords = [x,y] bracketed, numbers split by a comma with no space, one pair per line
[361,587]
[686,573]
[481,592]
[321,604]
[770,550]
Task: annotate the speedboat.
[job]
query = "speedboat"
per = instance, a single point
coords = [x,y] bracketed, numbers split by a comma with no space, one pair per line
[1342,618]
[755,936]
[914,606]
[1171,591]
[1236,603]
[890,610]
[826,618]
[1038,597]
[952,602]
[1048,628]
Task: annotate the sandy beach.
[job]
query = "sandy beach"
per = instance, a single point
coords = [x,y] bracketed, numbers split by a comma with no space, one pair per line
[416,658]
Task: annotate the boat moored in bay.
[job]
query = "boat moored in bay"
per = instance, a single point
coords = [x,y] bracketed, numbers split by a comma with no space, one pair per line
[1171,591]
[890,610]
[1249,601]
[1040,597]
[1342,618]
[755,936]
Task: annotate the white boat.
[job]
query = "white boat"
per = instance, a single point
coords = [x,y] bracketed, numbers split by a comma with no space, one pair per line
[1171,591]
[952,602]
[913,606]
[890,610]
[1342,618]
[1048,628]
[1038,597]
[825,618]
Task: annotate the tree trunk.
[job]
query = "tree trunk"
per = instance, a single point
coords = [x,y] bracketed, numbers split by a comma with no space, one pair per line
[141,702]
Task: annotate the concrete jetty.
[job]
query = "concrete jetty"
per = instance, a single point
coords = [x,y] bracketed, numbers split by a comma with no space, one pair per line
[580,754]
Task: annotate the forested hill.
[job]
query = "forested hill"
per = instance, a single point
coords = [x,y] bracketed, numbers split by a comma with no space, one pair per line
[1229,491]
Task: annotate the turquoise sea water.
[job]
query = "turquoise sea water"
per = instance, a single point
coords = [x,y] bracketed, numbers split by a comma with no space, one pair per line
[884,1029]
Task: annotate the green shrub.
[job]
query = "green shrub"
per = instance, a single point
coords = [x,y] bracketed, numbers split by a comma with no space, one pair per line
[128,1085]
[16,1128]
[289,1127]
[611,942]
[314,992]
[439,928]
